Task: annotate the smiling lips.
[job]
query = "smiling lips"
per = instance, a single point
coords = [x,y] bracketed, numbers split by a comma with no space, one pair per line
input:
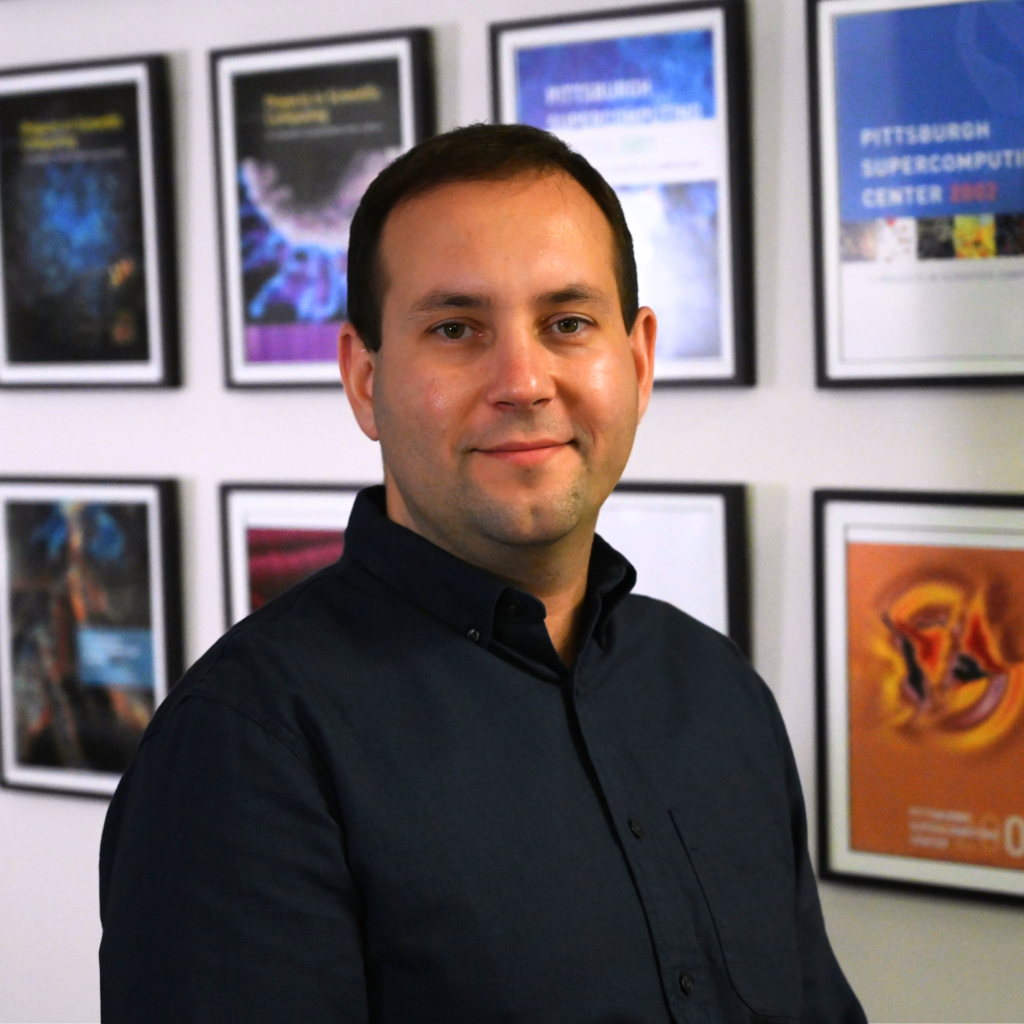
[525,453]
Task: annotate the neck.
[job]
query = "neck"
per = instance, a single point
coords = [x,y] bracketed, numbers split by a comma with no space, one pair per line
[555,573]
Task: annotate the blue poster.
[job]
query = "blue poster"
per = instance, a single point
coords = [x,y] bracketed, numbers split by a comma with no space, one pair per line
[643,109]
[930,113]
[627,81]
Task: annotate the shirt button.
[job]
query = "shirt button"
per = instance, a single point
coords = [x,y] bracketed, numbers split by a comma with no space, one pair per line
[474,635]
[685,984]
[636,828]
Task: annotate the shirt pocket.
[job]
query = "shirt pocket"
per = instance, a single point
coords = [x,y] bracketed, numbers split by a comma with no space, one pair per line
[744,865]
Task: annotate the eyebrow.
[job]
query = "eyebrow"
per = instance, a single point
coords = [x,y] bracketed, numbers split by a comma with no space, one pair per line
[440,301]
[572,293]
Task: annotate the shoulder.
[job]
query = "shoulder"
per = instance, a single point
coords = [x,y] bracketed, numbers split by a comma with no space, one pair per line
[695,667]
[666,632]
[270,666]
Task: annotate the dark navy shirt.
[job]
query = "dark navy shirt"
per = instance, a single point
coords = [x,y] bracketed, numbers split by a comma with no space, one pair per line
[383,797]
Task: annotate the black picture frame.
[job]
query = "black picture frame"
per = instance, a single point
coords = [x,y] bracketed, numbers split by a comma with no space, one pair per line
[733,245]
[284,509]
[91,625]
[96,137]
[895,303]
[281,346]
[704,572]
[918,598]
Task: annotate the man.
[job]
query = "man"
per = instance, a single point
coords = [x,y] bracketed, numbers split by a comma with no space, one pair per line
[463,775]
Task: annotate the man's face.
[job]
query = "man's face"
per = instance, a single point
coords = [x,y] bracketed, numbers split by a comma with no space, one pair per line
[506,393]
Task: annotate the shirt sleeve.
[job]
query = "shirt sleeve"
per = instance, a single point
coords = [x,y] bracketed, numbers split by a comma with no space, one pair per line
[224,890]
[827,995]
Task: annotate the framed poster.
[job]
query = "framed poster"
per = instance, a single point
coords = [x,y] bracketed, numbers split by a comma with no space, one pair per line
[920,642]
[301,131]
[87,251]
[277,535]
[918,158]
[90,626]
[688,544]
[656,99]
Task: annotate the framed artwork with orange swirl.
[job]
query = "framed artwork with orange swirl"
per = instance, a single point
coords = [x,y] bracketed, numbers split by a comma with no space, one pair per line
[920,651]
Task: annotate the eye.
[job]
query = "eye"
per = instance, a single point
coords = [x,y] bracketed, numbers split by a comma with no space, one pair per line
[569,325]
[453,331]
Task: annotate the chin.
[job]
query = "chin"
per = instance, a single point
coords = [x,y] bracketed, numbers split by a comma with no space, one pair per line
[529,520]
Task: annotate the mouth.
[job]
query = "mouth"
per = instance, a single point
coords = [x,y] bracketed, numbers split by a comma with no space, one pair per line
[525,453]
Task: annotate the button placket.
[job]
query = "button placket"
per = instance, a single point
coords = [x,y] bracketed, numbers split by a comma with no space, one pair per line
[672,948]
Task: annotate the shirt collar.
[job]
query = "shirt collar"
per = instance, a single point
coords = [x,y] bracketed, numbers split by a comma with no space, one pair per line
[466,598]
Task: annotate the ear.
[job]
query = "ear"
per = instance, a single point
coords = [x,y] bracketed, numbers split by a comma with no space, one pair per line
[358,366]
[642,341]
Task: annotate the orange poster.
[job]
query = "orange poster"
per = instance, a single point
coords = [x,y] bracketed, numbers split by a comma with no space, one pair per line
[936,702]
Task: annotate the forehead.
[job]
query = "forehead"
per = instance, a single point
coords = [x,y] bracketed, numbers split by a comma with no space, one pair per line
[529,225]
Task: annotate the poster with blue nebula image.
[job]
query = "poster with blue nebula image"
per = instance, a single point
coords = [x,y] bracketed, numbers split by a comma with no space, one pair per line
[642,99]
[87,252]
[921,156]
[71,208]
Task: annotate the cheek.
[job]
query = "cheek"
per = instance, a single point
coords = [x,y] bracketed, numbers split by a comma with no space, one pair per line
[606,397]
[444,407]
[425,406]
[439,396]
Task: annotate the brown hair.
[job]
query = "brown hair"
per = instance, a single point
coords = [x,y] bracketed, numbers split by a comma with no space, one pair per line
[478,152]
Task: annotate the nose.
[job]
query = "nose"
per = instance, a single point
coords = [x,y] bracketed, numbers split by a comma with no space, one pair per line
[520,370]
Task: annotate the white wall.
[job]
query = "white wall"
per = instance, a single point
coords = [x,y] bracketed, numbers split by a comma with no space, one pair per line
[911,958]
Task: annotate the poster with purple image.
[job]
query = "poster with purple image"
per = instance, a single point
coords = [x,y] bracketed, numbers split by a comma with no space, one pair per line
[302,131]
[650,99]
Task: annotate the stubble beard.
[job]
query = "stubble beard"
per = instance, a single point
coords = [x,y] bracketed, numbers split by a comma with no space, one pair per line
[481,527]
[531,522]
